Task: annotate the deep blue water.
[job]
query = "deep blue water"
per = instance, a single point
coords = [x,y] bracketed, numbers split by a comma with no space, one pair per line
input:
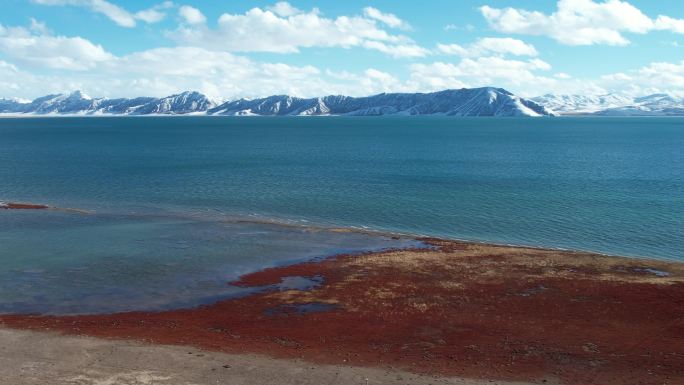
[612,185]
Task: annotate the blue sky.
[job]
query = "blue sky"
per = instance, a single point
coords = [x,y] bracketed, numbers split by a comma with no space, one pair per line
[230,49]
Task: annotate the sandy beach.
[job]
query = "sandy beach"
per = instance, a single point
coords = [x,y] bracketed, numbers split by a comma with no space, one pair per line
[29,357]
[455,310]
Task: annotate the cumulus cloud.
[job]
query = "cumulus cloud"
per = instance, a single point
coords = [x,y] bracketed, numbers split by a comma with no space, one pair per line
[670,24]
[389,19]
[396,50]
[490,45]
[36,47]
[191,15]
[207,59]
[39,27]
[482,71]
[580,22]
[285,29]
[371,81]
[224,75]
[526,78]
[154,14]
[115,13]
[657,77]
[654,78]
[219,75]
[454,27]
[285,9]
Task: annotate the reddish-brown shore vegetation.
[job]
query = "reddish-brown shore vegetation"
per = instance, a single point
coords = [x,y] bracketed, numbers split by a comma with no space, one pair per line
[22,206]
[460,309]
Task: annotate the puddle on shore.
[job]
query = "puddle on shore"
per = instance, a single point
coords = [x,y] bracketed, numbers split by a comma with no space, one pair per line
[300,309]
[299,283]
[659,273]
[642,270]
[533,290]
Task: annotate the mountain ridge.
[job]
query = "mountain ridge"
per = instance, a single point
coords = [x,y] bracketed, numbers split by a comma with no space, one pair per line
[613,105]
[483,101]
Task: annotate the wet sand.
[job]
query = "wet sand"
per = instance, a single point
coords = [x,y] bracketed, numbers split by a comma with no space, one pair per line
[457,310]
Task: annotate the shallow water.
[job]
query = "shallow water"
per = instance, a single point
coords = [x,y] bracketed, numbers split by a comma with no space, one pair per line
[66,263]
[166,193]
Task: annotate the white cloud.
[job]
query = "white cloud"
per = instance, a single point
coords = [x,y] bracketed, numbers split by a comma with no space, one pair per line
[39,27]
[490,45]
[220,75]
[269,30]
[657,77]
[112,11]
[223,75]
[437,76]
[38,48]
[13,83]
[580,22]
[668,23]
[515,75]
[453,49]
[285,9]
[369,82]
[154,14]
[654,78]
[506,45]
[389,19]
[150,15]
[207,61]
[191,15]
[117,14]
[454,27]
[162,71]
[398,50]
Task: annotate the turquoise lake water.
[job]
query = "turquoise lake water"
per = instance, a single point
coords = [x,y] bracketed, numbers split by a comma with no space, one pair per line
[181,205]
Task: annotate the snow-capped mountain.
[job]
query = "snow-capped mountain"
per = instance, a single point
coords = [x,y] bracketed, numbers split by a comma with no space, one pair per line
[581,104]
[78,103]
[613,105]
[651,105]
[185,103]
[486,101]
[9,105]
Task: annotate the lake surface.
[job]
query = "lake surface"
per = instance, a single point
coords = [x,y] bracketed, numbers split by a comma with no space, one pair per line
[170,196]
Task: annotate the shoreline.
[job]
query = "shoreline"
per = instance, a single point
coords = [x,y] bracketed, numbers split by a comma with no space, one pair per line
[457,309]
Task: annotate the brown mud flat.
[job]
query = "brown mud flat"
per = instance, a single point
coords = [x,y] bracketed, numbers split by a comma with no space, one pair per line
[460,309]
